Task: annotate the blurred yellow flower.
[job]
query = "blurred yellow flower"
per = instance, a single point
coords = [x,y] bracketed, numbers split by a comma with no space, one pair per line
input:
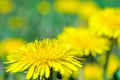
[87,8]
[40,56]
[106,22]
[6,6]
[9,45]
[85,40]
[93,72]
[112,66]
[44,7]
[16,22]
[66,6]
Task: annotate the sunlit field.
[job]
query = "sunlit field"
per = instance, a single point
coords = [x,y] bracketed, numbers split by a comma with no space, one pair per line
[59,40]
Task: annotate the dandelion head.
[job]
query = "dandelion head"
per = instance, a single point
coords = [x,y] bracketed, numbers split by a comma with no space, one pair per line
[71,7]
[106,22]
[39,57]
[6,6]
[93,72]
[16,22]
[9,45]
[85,40]
[44,7]
[87,8]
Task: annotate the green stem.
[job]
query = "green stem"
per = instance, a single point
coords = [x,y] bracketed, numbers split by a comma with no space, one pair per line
[38,77]
[43,78]
[54,75]
[108,55]
[106,64]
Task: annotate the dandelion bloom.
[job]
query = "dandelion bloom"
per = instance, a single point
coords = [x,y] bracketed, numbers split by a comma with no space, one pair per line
[37,58]
[44,7]
[93,72]
[6,6]
[87,8]
[85,40]
[16,22]
[66,6]
[106,22]
[9,45]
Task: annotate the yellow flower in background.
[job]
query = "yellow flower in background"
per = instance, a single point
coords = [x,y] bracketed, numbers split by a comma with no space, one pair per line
[16,22]
[112,66]
[44,7]
[85,40]
[40,56]
[87,8]
[9,45]
[66,6]
[106,22]
[93,72]
[6,6]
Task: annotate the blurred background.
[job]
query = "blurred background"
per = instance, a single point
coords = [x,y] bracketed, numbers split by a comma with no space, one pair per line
[23,21]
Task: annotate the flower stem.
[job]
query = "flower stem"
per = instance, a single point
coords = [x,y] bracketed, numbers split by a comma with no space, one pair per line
[38,78]
[54,75]
[42,78]
[108,55]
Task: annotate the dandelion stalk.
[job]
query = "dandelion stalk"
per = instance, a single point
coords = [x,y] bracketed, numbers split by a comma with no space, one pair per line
[54,75]
[43,78]
[38,78]
[106,63]
[108,55]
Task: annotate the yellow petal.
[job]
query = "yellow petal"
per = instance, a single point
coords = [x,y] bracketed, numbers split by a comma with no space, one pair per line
[20,65]
[75,62]
[30,72]
[26,66]
[12,66]
[47,71]
[42,71]
[69,65]
[36,72]
[58,67]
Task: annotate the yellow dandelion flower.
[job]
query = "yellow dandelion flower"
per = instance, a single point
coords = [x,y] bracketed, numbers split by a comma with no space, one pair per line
[44,7]
[112,66]
[6,6]
[106,22]
[93,72]
[16,22]
[9,45]
[67,6]
[37,58]
[86,9]
[85,40]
